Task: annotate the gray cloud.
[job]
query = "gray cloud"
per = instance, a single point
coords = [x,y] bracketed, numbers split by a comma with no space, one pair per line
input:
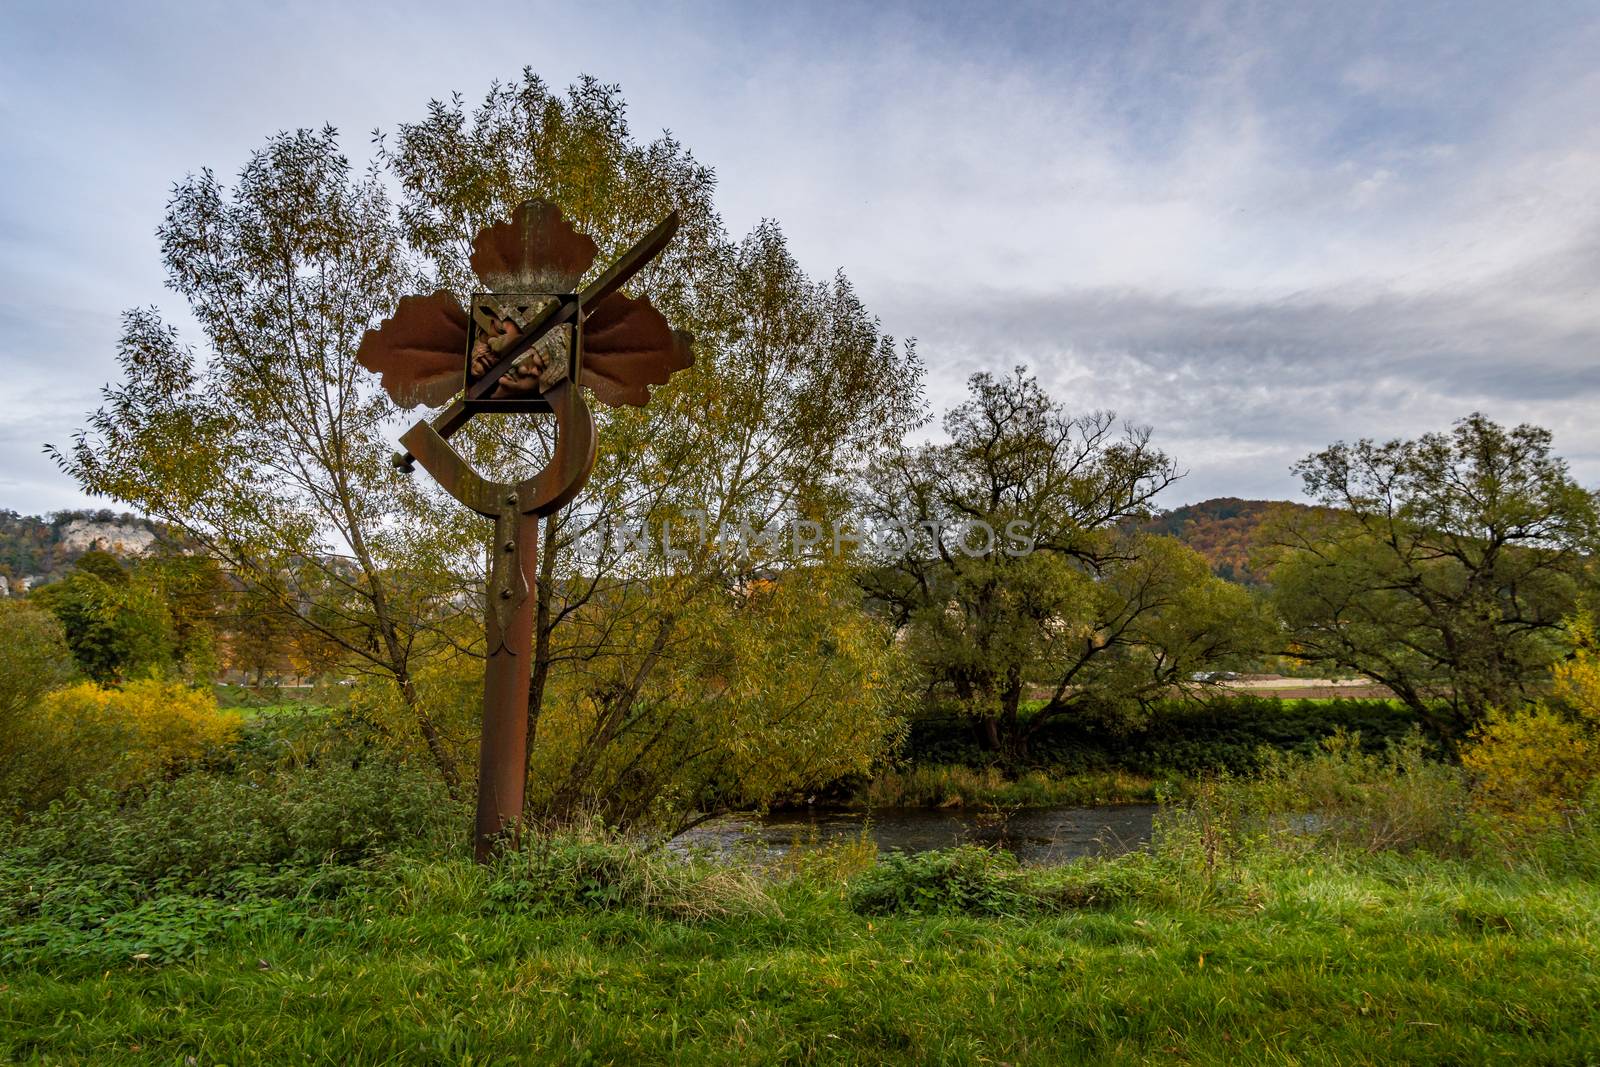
[1257,228]
[1239,389]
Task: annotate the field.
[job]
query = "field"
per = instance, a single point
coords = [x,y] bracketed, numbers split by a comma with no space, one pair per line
[607,956]
[1338,905]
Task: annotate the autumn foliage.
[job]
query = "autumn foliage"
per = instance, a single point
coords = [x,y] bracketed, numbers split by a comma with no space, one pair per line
[1534,766]
[92,735]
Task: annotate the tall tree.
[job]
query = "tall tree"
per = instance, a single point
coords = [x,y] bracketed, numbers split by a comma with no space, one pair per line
[117,627]
[271,453]
[1445,569]
[793,383]
[1022,566]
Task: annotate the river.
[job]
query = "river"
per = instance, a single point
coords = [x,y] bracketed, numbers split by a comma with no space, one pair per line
[1034,835]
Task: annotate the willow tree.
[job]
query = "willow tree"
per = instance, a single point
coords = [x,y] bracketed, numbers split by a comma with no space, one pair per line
[270,450]
[651,654]
[1018,564]
[1443,567]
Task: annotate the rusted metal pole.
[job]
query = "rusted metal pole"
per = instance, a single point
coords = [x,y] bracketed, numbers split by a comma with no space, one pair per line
[503,750]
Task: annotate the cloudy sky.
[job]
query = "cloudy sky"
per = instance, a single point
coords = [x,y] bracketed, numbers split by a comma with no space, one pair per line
[1258,228]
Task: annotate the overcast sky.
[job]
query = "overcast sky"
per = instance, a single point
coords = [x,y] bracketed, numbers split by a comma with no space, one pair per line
[1257,228]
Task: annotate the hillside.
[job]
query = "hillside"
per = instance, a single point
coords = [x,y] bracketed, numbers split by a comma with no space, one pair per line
[34,547]
[1224,531]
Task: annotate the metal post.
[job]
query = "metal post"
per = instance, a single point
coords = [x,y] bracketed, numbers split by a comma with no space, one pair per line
[503,751]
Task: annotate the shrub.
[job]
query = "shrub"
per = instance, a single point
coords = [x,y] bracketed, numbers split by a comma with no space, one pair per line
[156,874]
[591,870]
[1533,767]
[941,786]
[1399,800]
[1530,769]
[974,881]
[1339,795]
[89,735]
[285,737]
[958,881]
[197,831]
[35,661]
[1185,737]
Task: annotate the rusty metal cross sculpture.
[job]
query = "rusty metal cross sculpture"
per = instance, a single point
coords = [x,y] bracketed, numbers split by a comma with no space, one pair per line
[531,342]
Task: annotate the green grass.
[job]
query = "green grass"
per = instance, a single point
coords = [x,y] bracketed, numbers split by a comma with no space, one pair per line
[267,711]
[1384,960]
[322,912]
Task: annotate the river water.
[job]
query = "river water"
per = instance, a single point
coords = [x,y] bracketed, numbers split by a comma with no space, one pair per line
[1034,835]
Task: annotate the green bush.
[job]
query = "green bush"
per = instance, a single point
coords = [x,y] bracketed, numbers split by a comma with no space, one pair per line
[198,833]
[1182,737]
[1398,800]
[35,661]
[1337,797]
[288,736]
[958,881]
[938,786]
[89,735]
[974,881]
[101,877]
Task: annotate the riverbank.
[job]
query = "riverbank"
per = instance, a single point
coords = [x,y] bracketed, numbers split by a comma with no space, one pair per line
[605,957]
[956,786]
[1345,910]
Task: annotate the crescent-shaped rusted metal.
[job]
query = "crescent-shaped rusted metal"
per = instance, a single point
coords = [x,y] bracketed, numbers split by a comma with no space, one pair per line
[553,488]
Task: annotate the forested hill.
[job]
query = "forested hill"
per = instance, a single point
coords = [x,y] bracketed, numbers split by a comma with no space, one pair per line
[1223,530]
[34,546]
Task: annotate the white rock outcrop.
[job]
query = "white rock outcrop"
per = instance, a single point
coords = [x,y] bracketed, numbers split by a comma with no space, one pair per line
[82,535]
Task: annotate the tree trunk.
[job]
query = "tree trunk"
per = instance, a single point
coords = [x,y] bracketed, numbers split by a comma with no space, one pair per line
[1016,744]
[430,736]
[989,733]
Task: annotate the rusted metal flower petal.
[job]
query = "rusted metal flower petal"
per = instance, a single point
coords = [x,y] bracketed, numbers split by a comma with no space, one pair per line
[420,350]
[628,347]
[538,251]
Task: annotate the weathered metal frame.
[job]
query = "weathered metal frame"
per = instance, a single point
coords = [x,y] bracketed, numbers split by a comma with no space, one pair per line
[516,510]
[452,418]
[535,404]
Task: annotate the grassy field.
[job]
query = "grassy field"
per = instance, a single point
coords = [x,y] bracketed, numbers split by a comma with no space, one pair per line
[1381,961]
[1344,908]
